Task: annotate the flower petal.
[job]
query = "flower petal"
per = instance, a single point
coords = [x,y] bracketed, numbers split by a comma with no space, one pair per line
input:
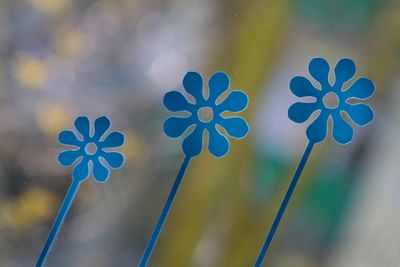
[342,131]
[82,124]
[302,87]
[236,101]
[193,83]
[218,144]
[176,126]
[319,70]
[69,138]
[114,139]
[300,112]
[236,127]
[193,143]
[100,172]
[363,88]
[175,101]
[316,131]
[81,171]
[101,125]
[344,71]
[114,159]
[361,114]
[68,157]
[218,84]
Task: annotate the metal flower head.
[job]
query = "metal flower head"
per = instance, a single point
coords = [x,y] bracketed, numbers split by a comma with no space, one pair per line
[333,101]
[206,114]
[91,152]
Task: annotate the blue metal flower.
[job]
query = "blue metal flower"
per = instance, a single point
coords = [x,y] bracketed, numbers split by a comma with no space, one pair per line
[333,101]
[206,114]
[91,153]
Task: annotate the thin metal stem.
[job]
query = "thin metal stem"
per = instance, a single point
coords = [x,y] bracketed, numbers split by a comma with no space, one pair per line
[284,204]
[163,216]
[69,198]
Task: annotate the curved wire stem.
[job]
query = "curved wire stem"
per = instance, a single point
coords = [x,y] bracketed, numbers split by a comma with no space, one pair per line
[69,198]
[164,214]
[284,204]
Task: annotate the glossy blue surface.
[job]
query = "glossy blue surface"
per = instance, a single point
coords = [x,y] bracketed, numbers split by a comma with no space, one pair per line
[342,133]
[218,144]
[89,154]
[80,157]
[359,113]
[235,127]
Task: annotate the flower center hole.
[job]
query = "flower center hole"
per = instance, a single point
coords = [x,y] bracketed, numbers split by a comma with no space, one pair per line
[91,148]
[331,100]
[205,114]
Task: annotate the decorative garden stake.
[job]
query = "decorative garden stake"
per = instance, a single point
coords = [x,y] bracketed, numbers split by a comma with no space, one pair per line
[205,114]
[90,154]
[333,101]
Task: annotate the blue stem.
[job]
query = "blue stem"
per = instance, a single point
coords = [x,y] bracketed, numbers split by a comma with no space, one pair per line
[284,204]
[164,213]
[58,222]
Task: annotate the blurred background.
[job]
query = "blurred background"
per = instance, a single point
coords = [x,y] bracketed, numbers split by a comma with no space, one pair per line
[60,59]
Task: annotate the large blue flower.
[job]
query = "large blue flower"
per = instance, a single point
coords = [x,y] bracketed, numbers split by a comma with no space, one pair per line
[333,101]
[206,114]
[91,152]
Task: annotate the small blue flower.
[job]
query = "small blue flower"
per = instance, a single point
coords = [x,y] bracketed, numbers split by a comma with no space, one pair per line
[206,114]
[91,152]
[333,101]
